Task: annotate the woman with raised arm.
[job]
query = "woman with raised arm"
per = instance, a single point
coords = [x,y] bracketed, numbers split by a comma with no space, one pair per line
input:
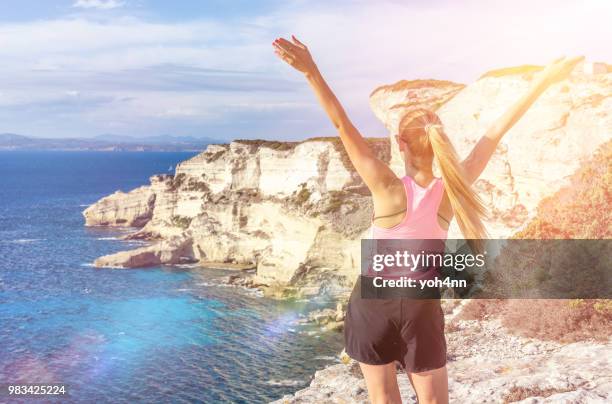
[417,206]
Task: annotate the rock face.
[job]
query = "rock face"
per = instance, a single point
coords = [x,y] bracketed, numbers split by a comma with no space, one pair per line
[567,123]
[133,209]
[171,251]
[296,211]
[487,365]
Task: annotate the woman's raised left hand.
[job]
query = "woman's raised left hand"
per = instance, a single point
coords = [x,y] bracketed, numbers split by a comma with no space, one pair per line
[560,69]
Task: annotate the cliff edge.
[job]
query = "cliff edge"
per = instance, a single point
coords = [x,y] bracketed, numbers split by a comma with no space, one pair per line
[295,211]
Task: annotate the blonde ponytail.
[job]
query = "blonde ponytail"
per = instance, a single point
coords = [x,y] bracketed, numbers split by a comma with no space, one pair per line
[467,206]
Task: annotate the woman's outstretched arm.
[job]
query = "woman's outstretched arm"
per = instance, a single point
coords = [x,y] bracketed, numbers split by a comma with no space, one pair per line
[376,174]
[478,159]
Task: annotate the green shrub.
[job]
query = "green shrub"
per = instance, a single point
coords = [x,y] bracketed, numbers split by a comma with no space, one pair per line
[579,211]
[302,196]
[176,182]
[180,221]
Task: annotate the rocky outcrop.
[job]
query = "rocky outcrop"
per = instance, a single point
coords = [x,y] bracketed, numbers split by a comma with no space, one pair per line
[133,209]
[296,211]
[488,365]
[564,127]
[390,102]
[174,250]
[329,319]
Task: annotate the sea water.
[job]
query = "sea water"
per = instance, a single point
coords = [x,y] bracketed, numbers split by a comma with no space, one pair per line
[164,334]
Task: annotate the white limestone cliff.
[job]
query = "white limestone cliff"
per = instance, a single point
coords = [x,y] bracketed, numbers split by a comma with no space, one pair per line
[296,211]
[563,128]
[133,209]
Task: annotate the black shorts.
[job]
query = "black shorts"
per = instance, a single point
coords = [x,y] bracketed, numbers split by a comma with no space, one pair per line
[381,331]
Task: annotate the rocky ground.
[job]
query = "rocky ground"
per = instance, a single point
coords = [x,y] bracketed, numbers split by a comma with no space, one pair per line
[488,365]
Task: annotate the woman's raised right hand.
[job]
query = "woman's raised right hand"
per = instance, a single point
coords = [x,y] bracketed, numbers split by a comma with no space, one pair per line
[294,53]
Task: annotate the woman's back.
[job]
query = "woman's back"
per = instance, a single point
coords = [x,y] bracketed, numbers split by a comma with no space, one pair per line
[421,216]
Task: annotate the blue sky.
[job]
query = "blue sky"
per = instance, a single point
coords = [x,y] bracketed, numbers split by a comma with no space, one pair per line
[206,68]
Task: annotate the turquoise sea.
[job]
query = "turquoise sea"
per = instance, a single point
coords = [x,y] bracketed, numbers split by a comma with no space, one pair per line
[129,336]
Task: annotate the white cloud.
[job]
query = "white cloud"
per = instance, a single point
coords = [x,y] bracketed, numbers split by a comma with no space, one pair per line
[98,4]
[179,112]
[221,76]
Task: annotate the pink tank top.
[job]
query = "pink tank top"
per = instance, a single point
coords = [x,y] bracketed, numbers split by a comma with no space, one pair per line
[421,217]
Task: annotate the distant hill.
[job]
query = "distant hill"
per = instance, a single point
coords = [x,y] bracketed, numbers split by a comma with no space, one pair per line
[107,142]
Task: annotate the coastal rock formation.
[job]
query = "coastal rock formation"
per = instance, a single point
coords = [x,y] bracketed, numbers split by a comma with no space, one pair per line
[329,319]
[171,251]
[133,209]
[488,365]
[564,127]
[296,211]
[390,102]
